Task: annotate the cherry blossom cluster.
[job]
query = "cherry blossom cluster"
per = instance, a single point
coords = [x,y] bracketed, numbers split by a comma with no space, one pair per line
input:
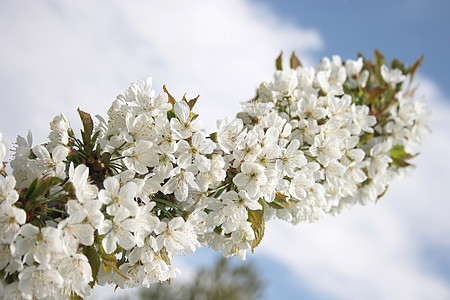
[345,142]
[147,182]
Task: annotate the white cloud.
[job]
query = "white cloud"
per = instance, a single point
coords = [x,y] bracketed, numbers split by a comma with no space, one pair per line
[57,56]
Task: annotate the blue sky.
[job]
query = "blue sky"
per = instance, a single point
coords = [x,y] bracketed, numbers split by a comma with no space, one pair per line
[57,56]
[402,29]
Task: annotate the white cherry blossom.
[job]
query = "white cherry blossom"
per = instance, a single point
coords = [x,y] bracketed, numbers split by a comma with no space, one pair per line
[251,178]
[11,218]
[184,125]
[119,231]
[77,274]
[179,183]
[38,243]
[118,198]
[7,192]
[140,157]
[40,282]
[291,159]
[392,76]
[83,189]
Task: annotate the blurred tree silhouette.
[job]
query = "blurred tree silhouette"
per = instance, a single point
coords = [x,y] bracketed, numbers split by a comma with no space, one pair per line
[223,280]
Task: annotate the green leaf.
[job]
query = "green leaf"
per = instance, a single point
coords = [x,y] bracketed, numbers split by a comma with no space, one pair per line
[281,201]
[295,62]
[94,137]
[365,138]
[256,218]
[41,189]
[109,261]
[379,58]
[171,114]
[398,64]
[171,99]
[213,137]
[398,86]
[398,152]
[36,191]
[218,229]
[193,116]
[31,189]
[88,124]
[388,95]
[399,156]
[94,261]
[279,62]
[387,99]
[375,72]
[37,222]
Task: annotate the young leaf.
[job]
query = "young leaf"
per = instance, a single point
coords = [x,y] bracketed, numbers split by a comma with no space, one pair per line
[192,102]
[398,152]
[400,163]
[386,99]
[279,62]
[109,261]
[295,62]
[41,189]
[88,124]
[382,194]
[31,189]
[164,256]
[375,72]
[398,64]
[413,68]
[256,218]
[365,138]
[74,296]
[171,114]
[375,93]
[171,99]
[213,137]
[218,230]
[281,202]
[95,137]
[379,58]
